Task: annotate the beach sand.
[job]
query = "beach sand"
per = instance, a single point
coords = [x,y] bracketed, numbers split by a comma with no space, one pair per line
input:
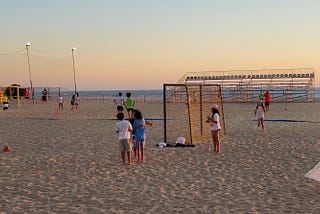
[73,165]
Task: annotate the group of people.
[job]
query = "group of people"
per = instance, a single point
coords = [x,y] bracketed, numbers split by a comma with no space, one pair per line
[75,101]
[127,103]
[135,126]
[262,106]
[132,136]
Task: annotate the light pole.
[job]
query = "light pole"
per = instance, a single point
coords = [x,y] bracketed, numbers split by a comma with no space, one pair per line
[31,89]
[74,70]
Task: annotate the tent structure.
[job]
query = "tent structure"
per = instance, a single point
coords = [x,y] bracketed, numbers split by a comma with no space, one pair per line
[314,173]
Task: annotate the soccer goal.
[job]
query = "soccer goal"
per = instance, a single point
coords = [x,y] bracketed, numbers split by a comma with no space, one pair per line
[185,109]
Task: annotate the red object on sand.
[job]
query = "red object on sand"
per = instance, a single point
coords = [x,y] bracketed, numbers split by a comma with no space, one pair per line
[6,149]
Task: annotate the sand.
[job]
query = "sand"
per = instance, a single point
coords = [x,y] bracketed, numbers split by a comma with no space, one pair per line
[73,165]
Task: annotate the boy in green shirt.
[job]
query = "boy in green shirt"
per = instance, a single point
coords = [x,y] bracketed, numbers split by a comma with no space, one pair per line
[129,104]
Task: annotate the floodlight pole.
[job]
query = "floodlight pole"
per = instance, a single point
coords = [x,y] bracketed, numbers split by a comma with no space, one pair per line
[74,71]
[31,88]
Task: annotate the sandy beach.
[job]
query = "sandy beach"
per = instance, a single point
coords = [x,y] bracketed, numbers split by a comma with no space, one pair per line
[73,165]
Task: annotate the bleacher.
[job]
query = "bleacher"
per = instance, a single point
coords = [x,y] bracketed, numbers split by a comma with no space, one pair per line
[249,76]
[289,85]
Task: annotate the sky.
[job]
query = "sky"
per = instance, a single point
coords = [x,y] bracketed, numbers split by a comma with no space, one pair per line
[141,44]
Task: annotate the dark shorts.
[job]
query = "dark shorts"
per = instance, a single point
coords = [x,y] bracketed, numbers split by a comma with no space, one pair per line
[129,109]
[267,103]
[120,108]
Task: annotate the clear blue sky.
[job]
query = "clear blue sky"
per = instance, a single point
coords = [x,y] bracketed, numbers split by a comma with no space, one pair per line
[140,44]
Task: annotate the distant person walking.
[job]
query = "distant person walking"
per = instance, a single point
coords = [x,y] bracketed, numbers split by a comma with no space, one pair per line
[123,128]
[259,112]
[214,121]
[119,101]
[267,97]
[129,104]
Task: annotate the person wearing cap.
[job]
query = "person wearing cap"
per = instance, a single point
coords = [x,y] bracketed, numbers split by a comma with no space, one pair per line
[214,120]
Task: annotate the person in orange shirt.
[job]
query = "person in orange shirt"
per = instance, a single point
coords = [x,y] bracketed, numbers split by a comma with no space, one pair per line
[267,98]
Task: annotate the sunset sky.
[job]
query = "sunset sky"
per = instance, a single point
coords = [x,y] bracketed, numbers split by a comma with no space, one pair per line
[141,44]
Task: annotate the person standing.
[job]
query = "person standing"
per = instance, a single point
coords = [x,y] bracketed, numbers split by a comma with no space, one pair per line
[260,95]
[267,97]
[77,101]
[5,102]
[45,94]
[73,98]
[60,101]
[129,104]
[259,112]
[140,135]
[119,101]
[214,120]
[124,128]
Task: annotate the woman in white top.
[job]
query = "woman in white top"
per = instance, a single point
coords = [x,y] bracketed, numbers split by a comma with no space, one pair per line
[214,120]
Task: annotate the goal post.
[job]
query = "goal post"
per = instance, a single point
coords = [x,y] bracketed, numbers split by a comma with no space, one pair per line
[185,109]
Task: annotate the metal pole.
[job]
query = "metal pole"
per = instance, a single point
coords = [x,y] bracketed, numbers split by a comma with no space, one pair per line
[74,71]
[164,114]
[31,89]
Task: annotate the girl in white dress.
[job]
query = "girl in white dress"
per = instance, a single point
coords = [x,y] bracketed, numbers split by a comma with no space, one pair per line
[259,112]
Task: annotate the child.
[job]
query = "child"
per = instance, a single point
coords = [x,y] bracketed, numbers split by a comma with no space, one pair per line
[214,120]
[259,112]
[140,136]
[123,128]
[119,101]
[129,103]
[260,95]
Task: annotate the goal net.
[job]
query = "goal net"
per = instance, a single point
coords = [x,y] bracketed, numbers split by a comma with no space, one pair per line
[186,107]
